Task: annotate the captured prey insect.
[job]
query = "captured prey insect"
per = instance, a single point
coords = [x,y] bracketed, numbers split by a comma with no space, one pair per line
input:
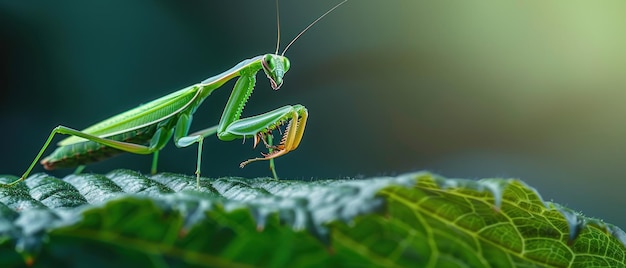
[147,128]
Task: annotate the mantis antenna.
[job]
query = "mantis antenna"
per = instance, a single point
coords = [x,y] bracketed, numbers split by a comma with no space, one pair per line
[305,29]
[277,27]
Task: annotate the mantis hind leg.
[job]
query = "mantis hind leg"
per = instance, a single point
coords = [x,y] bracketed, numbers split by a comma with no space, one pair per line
[124,146]
[32,165]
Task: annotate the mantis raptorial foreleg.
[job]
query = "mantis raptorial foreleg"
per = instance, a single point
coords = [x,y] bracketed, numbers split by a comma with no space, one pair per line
[232,126]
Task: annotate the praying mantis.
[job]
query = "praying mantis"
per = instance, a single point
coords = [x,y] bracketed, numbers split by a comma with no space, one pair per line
[147,128]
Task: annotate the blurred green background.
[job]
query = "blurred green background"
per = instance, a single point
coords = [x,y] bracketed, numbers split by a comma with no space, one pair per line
[532,90]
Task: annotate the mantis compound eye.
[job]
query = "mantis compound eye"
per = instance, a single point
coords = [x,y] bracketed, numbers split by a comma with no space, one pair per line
[286,63]
[268,63]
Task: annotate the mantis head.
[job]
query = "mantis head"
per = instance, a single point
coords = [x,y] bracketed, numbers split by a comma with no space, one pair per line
[275,67]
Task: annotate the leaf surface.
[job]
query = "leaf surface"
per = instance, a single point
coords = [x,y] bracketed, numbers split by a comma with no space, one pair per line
[418,220]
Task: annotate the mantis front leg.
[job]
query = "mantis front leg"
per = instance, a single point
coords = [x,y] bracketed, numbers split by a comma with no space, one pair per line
[259,127]
[231,126]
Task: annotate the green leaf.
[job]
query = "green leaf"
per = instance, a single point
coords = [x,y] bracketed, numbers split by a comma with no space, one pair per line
[413,220]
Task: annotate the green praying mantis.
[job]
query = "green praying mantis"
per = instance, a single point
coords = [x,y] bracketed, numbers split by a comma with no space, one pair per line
[147,129]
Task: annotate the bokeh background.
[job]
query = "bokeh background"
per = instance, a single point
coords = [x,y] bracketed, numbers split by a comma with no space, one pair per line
[531,90]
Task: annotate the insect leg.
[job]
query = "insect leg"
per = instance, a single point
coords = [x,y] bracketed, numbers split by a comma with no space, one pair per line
[124,146]
[182,139]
